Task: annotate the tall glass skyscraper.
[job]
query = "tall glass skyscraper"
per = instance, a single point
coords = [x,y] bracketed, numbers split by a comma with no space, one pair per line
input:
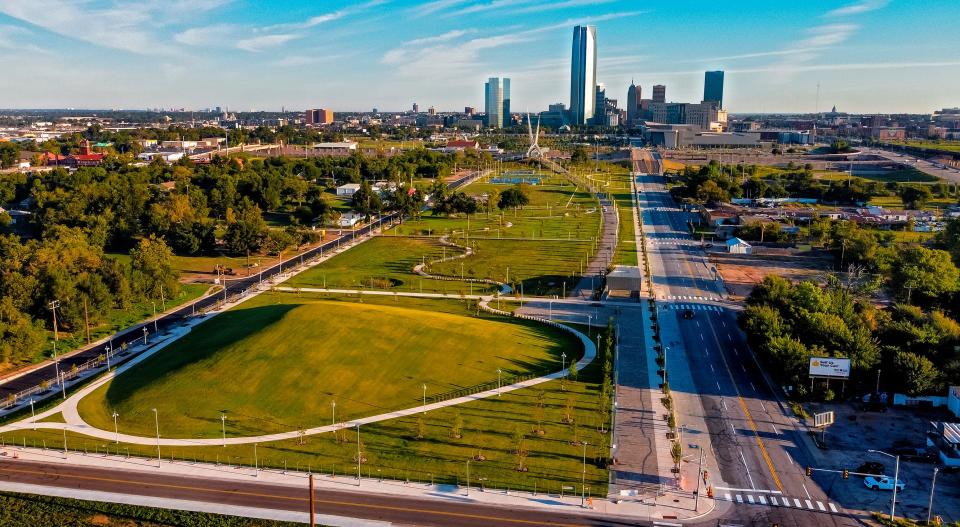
[497,101]
[713,87]
[583,75]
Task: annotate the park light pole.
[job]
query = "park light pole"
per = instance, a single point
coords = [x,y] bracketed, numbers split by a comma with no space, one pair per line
[468,476]
[116,430]
[563,363]
[933,485]
[223,427]
[155,328]
[896,479]
[106,352]
[583,477]
[498,381]
[156,420]
[54,304]
[32,414]
[145,331]
[424,407]
[333,412]
[359,459]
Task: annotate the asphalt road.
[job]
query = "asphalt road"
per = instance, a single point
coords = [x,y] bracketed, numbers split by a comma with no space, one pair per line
[233,288]
[455,509]
[758,447]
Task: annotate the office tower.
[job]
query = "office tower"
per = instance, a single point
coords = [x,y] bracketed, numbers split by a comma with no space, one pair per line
[469,110]
[319,116]
[431,111]
[497,101]
[416,108]
[713,87]
[599,106]
[659,93]
[633,102]
[583,74]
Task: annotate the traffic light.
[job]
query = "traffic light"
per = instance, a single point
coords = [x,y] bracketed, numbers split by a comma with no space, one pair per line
[809,471]
[846,474]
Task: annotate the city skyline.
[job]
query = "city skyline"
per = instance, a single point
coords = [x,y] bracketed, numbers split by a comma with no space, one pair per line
[379,53]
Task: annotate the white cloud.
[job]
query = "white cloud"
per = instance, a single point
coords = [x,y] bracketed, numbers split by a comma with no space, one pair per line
[448,36]
[827,35]
[257,44]
[858,8]
[206,35]
[15,38]
[553,6]
[432,7]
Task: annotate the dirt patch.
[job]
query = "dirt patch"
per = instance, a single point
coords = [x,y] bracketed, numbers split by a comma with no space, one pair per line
[741,272]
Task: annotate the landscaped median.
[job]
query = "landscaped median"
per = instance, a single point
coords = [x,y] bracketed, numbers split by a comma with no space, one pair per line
[369,358]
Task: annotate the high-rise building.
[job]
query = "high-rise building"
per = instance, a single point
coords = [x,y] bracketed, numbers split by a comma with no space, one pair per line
[583,74]
[469,110]
[713,87]
[416,108]
[659,93]
[599,106]
[319,116]
[496,93]
[633,102]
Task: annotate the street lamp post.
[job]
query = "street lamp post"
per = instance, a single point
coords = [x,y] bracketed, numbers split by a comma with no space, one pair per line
[896,479]
[156,420]
[223,427]
[563,363]
[32,414]
[359,459]
[583,476]
[424,407]
[498,381]
[468,477]
[116,430]
[106,352]
[333,412]
[145,331]
[933,485]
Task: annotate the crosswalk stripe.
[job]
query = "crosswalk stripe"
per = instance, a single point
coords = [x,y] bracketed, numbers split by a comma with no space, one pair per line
[797,502]
[833,508]
[728,497]
[762,500]
[739,498]
[750,498]
[809,505]
[773,501]
[820,505]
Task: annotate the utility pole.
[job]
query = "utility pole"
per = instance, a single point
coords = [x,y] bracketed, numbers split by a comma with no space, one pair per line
[933,485]
[312,521]
[696,498]
[54,304]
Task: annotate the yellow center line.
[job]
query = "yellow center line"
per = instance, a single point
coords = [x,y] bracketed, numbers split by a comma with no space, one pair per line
[281,497]
[743,404]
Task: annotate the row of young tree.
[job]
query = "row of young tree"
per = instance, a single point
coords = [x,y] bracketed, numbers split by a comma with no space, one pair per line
[713,183]
[66,268]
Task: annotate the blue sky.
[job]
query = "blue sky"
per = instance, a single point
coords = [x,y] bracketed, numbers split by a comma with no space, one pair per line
[867,55]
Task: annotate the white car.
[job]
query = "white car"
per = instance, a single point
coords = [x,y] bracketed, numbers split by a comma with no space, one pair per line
[882,483]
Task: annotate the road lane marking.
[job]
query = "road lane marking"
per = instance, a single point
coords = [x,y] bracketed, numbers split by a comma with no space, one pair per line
[762,406]
[775,431]
[718,386]
[749,477]
[773,501]
[711,369]
[724,401]
[744,368]
[809,505]
[47,474]
[752,387]
[833,508]
[805,491]
[763,501]
[730,337]
[820,505]
[750,498]
[797,503]
[789,457]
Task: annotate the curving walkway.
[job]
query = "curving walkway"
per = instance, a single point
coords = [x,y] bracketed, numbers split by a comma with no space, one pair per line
[419,269]
[75,423]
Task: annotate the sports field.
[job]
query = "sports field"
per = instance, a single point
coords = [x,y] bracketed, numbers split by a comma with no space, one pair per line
[277,362]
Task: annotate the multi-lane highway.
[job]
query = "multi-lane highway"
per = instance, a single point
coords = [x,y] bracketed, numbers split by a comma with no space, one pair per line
[724,401]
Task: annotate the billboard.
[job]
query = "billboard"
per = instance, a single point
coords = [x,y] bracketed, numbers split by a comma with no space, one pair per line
[830,367]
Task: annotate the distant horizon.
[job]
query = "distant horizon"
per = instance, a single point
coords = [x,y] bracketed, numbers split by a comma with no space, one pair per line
[864,56]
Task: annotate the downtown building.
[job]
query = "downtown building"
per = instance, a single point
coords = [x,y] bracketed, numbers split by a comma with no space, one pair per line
[583,75]
[319,116]
[496,93]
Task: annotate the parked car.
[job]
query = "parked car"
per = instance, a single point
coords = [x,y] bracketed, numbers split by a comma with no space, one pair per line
[909,453]
[882,483]
[688,314]
[871,467]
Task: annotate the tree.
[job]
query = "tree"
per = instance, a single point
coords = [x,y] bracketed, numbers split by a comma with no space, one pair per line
[839,146]
[514,197]
[151,263]
[916,374]
[710,192]
[365,201]
[456,431]
[248,232]
[579,155]
[929,273]
[915,197]
[519,448]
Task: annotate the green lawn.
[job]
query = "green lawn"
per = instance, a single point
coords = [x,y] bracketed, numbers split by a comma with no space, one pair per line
[29,509]
[946,146]
[384,262]
[276,363]
[542,266]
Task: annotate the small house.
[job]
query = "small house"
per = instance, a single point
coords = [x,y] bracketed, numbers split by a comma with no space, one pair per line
[348,189]
[738,246]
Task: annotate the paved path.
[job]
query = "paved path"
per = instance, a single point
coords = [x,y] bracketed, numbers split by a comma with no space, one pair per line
[75,423]
[597,268]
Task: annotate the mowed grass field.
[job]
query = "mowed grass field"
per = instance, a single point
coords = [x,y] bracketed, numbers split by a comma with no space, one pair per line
[391,449]
[277,362]
[385,262]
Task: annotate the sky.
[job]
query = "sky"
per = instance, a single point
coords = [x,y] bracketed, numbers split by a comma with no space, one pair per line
[866,56]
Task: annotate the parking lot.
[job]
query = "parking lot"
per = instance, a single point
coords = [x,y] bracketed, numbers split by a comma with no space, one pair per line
[898,429]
